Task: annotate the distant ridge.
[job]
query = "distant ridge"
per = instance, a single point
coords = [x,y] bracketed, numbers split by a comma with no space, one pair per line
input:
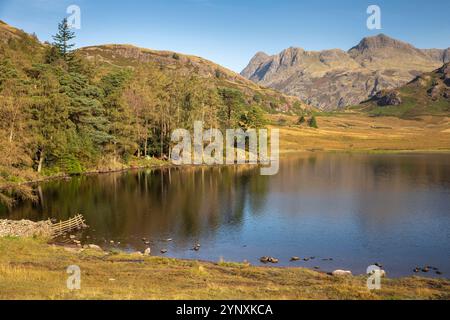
[333,79]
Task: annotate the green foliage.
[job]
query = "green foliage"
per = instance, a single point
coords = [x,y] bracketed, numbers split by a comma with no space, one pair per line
[301,120]
[313,122]
[71,165]
[60,113]
[62,40]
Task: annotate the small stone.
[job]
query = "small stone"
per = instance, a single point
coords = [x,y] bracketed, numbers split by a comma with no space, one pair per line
[147,252]
[163,251]
[416,270]
[264,259]
[439,272]
[339,273]
[317,268]
[425,270]
[72,237]
[295,259]
[273,260]
[306,259]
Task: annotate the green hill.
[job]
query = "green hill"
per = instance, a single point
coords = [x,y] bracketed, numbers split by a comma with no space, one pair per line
[428,94]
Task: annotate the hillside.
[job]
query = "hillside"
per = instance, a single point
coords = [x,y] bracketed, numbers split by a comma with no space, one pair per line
[115,55]
[427,94]
[334,79]
[101,108]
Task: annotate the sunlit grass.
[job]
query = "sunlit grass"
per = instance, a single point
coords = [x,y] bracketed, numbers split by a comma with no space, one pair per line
[31,269]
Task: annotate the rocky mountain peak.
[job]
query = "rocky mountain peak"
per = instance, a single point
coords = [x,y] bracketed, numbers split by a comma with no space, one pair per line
[334,78]
[380,41]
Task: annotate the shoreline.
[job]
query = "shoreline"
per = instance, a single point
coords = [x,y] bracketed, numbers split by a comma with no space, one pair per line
[168,164]
[33,269]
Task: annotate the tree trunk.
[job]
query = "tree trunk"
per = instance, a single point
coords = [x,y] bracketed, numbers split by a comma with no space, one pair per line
[145,146]
[41,161]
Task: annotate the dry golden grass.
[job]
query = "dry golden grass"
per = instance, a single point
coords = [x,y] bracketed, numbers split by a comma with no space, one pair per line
[355,132]
[31,269]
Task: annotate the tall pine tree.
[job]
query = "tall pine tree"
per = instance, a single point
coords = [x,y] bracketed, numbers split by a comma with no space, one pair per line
[62,40]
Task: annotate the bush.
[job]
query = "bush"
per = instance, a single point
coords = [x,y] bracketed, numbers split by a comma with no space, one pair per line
[71,165]
[313,122]
[301,120]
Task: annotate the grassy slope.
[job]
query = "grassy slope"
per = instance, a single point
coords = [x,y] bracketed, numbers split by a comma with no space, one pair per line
[31,269]
[109,56]
[357,132]
[416,101]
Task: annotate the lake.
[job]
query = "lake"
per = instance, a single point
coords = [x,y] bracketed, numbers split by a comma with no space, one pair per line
[357,209]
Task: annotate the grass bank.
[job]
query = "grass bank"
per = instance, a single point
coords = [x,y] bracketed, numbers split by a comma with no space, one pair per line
[355,132]
[32,269]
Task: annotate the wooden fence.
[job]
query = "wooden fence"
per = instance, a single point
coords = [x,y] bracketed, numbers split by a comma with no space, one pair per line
[64,227]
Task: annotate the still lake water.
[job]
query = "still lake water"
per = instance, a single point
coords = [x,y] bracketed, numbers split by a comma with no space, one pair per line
[356,209]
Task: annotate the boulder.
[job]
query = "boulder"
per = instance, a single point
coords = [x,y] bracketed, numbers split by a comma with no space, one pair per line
[94,247]
[391,98]
[434,92]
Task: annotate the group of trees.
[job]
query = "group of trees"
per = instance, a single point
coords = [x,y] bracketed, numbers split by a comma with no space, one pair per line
[60,112]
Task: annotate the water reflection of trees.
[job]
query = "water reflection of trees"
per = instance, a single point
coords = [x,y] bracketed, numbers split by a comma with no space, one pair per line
[197,202]
[188,202]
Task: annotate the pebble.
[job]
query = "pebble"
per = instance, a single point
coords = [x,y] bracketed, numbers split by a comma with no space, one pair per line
[295,259]
[147,252]
[163,251]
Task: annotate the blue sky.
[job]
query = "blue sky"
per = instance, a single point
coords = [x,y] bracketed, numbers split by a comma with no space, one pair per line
[230,32]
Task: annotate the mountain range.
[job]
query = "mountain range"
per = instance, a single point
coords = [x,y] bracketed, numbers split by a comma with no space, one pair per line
[334,79]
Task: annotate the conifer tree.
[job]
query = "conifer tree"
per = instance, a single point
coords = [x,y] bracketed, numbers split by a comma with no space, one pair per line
[63,40]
